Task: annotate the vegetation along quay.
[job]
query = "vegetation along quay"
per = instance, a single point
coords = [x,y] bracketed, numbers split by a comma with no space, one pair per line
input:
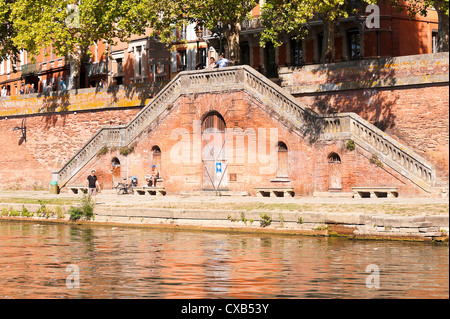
[396,219]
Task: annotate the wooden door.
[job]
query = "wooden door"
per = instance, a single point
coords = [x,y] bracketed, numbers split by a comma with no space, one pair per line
[214,161]
[334,172]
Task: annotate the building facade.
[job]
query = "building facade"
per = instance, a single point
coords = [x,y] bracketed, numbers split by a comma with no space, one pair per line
[143,59]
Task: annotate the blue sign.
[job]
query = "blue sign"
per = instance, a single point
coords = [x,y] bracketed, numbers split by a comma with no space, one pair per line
[218,168]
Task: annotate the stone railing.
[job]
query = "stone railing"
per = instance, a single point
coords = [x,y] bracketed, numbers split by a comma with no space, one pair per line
[117,136]
[350,126]
[388,151]
[345,125]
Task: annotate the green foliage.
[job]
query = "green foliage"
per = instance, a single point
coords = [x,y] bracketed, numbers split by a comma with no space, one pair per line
[42,211]
[419,7]
[125,151]
[7,47]
[84,210]
[294,17]
[25,212]
[265,220]
[165,15]
[243,218]
[71,27]
[375,160]
[87,205]
[59,212]
[13,212]
[350,145]
[281,220]
[5,211]
[103,151]
[75,213]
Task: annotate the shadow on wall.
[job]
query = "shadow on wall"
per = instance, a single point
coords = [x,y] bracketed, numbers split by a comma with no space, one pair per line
[141,91]
[360,91]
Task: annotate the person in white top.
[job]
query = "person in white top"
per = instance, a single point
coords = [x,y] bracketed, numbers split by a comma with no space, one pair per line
[4,92]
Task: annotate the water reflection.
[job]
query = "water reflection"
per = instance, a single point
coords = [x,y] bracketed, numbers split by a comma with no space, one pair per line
[148,263]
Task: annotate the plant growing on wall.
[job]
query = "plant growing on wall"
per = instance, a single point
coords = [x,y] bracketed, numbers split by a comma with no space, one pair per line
[265,220]
[103,151]
[375,160]
[125,151]
[84,210]
[350,145]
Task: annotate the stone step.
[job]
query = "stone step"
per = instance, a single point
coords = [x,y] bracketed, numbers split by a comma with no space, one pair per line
[214,193]
[333,194]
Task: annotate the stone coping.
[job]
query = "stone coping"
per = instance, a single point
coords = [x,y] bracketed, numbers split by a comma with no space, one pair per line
[125,213]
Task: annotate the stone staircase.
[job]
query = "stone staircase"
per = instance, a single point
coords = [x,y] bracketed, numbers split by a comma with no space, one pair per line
[309,124]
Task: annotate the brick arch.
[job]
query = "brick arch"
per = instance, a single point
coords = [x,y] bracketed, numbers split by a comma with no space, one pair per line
[334,157]
[156,157]
[224,104]
[334,172]
[116,170]
[213,119]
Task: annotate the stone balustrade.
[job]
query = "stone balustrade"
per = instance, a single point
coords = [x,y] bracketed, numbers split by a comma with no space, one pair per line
[333,126]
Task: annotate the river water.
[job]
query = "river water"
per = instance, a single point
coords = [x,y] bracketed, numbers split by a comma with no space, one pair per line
[77,261]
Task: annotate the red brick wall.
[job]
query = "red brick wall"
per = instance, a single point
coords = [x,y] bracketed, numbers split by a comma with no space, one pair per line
[52,139]
[308,163]
[409,105]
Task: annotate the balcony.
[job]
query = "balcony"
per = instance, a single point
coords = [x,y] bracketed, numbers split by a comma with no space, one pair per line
[251,25]
[96,68]
[30,68]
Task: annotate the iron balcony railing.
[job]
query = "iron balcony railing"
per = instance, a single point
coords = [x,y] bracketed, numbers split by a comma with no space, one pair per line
[93,69]
[30,68]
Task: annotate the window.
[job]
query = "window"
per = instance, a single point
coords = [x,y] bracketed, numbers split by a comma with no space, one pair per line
[119,66]
[282,168]
[296,52]
[434,41]
[320,45]
[334,158]
[156,158]
[334,172]
[245,53]
[271,67]
[354,46]
[183,60]
[139,60]
[202,56]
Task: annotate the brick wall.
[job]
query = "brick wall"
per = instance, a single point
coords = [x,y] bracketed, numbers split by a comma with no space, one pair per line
[308,164]
[51,140]
[407,97]
[79,100]
[55,134]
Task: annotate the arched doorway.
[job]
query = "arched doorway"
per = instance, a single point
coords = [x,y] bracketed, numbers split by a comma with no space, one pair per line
[282,165]
[334,172]
[115,171]
[156,157]
[215,176]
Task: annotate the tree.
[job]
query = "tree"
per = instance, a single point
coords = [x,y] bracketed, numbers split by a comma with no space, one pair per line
[7,47]
[231,13]
[294,16]
[420,7]
[165,15]
[71,27]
